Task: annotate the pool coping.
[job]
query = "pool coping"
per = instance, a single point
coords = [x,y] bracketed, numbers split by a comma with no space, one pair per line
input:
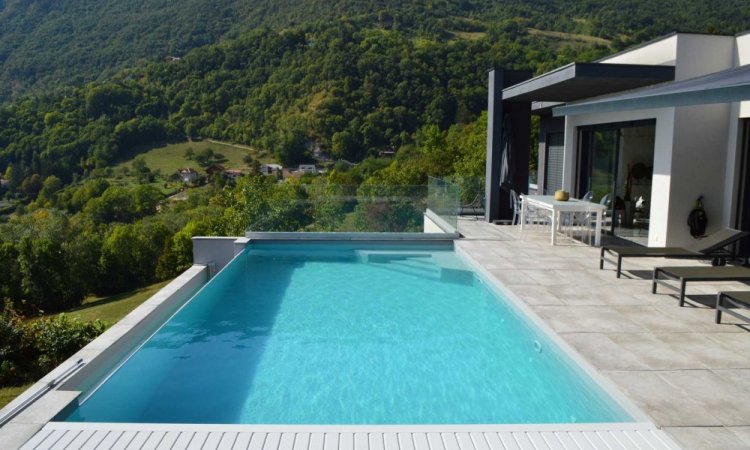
[22,430]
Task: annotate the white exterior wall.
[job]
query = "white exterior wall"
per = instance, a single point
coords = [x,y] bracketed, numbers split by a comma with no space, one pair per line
[661,53]
[743,59]
[692,147]
[699,160]
[663,145]
[700,154]
[734,157]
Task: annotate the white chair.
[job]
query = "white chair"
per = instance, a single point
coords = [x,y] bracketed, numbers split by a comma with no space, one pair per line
[534,216]
[580,222]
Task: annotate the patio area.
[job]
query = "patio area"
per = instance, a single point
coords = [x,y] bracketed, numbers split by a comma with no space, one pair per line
[690,375]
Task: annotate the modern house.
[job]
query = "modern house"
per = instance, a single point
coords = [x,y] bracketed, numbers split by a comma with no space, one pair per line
[648,131]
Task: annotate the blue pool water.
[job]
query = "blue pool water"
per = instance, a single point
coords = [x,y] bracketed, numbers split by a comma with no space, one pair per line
[341,334]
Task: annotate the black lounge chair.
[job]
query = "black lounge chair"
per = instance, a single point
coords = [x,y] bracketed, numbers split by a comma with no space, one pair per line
[683,274]
[710,247]
[738,299]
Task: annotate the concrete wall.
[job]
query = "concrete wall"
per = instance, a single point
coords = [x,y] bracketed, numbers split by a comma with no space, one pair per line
[661,52]
[430,224]
[701,54]
[217,250]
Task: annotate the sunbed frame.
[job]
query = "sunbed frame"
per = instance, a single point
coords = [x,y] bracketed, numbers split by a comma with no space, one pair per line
[713,250]
[685,274]
[738,299]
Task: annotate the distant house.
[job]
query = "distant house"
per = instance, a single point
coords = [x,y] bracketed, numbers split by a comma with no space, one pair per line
[270,169]
[308,168]
[232,174]
[188,175]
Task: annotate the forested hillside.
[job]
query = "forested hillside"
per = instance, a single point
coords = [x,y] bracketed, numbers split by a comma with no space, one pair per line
[350,91]
[45,43]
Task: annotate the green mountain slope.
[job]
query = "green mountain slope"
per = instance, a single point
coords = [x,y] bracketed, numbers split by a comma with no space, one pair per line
[46,43]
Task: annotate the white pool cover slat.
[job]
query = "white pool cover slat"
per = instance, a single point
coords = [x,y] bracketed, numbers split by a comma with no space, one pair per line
[90,436]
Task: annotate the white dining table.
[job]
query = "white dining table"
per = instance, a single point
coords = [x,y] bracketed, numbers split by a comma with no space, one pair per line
[557,207]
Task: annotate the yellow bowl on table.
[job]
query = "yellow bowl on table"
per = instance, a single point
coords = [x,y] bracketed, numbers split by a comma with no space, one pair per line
[562,196]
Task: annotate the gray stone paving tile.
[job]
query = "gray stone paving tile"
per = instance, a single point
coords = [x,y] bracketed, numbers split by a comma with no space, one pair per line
[586,319]
[736,341]
[604,353]
[706,438]
[655,353]
[736,377]
[700,320]
[513,277]
[743,433]
[551,277]
[652,318]
[667,404]
[726,400]
[536,295]
[708,352]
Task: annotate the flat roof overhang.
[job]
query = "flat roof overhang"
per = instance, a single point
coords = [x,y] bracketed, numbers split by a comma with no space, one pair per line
[577,81]
[727,86]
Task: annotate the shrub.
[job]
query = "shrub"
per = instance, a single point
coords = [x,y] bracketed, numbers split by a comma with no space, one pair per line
[28,349]
[57,338]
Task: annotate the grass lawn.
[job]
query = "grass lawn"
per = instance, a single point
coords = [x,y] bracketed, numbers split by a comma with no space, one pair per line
[169,158]
[569,38]
[9,393]
[115,307]
[110,309]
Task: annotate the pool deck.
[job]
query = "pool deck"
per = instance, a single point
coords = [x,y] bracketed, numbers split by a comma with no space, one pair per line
[690,375]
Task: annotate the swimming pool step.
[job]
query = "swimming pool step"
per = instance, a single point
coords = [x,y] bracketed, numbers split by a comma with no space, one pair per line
[452,269]
[384,256]
[133,436]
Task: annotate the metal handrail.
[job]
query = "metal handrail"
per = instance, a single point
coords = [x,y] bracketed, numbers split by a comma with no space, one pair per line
[40,392]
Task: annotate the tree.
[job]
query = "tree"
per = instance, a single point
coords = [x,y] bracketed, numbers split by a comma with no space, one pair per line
[189,153]
[14,176]
[32,185]
[50,187]
[142,171]
[204,157]
[114,205]
[145,200]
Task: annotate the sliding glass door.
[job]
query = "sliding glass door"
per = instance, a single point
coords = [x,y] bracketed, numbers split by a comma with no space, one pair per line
[615,163]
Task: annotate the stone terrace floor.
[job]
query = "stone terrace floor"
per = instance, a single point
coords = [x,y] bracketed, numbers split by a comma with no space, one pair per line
[690,375]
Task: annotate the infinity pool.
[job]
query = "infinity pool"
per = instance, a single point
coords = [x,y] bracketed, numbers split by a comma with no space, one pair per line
[331,333]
